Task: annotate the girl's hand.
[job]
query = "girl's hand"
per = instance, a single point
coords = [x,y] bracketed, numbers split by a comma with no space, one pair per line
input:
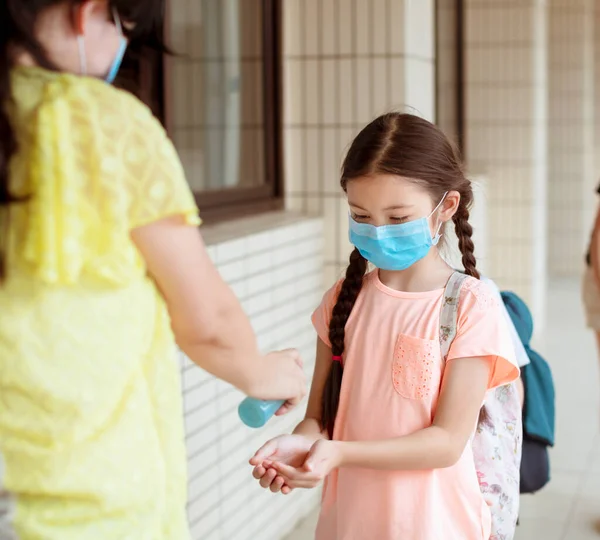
[291,450]
[323,458]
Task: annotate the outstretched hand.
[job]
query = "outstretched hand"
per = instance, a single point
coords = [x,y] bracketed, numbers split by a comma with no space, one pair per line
[323,457]
[291,450]
[289,462]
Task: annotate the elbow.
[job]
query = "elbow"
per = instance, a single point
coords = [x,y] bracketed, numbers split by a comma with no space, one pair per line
[444,458]
[199,332]
[450,450]
[449,457]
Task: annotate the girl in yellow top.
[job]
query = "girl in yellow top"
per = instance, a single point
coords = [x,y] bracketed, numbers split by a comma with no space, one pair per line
[103,270]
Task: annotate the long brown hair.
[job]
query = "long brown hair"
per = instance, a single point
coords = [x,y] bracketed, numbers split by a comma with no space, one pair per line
[17,33]
[410,147]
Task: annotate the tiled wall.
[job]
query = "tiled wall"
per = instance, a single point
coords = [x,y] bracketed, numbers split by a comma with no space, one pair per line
[506,122]
[346,61]
[277,274]
[571,132]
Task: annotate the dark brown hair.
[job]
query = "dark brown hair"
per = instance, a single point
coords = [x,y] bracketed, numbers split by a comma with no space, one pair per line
[17,33]
[410,147]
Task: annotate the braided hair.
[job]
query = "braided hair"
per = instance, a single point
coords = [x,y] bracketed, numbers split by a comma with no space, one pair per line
[348,294]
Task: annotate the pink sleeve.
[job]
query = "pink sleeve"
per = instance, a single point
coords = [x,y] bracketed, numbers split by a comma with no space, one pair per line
[483,333]
[322,315]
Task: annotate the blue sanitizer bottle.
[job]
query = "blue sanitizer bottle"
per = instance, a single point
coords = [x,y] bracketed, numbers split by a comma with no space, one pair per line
[256,413]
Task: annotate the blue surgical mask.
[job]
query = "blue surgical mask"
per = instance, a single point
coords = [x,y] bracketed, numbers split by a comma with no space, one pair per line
[116,65]
[395,247]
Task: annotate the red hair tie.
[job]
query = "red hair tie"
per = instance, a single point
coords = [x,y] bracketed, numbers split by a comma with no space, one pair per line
[337,359]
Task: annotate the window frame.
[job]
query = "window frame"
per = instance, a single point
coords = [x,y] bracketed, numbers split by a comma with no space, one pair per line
[226,204]
[459,65]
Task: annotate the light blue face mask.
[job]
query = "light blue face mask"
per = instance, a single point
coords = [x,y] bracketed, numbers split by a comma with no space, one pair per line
[395,247]
[116,65]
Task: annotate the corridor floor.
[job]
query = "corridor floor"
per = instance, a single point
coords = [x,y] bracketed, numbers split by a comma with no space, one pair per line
[569,507]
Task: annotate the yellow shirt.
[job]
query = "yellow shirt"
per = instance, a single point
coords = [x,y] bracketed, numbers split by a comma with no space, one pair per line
[91,431]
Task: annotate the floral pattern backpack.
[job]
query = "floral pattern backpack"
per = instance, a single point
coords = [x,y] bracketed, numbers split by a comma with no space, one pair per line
[497,441]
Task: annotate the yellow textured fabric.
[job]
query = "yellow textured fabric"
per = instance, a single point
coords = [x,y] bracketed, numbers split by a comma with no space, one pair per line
[91,435]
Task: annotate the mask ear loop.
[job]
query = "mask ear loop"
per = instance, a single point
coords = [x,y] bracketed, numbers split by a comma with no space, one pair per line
[114,69]
[436,238]
[81,40]
[118,23]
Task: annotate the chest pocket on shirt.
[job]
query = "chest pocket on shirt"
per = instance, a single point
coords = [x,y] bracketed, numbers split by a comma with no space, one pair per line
[416,367]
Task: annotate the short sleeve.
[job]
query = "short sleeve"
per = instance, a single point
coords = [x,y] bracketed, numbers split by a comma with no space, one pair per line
[520,354]
[322,315]
[154,175]
[483,333]
[96,165]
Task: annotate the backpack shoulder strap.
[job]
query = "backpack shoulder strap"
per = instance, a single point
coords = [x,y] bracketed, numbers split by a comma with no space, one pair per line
[449,312]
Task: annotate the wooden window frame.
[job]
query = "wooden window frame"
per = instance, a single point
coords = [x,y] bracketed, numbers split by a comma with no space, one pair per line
[460,106]
[226,204]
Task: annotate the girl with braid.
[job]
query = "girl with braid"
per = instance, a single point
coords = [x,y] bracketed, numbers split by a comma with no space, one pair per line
[390,419]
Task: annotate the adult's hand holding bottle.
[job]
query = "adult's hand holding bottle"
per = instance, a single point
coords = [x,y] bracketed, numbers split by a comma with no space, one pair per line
[280,389]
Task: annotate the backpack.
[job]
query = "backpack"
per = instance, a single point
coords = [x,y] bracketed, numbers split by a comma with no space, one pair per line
[497,440]
[539,406]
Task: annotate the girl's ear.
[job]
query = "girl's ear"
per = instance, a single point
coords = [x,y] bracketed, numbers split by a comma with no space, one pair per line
[449,206]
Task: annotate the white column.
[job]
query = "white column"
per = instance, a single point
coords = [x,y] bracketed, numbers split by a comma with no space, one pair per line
[506,137]
[571,133]
[419,67]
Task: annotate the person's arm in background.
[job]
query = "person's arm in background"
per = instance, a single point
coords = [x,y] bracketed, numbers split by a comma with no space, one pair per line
[209,324]
[595,248]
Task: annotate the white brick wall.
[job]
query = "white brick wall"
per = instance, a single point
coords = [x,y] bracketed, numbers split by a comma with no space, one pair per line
[277,275]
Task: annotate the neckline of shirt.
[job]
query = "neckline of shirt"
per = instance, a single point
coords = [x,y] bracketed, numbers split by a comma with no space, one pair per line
[374,277]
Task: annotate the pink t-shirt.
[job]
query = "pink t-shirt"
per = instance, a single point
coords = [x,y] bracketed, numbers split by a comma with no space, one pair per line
[390,388]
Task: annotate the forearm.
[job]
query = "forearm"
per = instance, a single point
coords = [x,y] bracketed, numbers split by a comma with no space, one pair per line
[430,448]
[239,368]
[594,257]
[595,248]
[228,350]
[311,430]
